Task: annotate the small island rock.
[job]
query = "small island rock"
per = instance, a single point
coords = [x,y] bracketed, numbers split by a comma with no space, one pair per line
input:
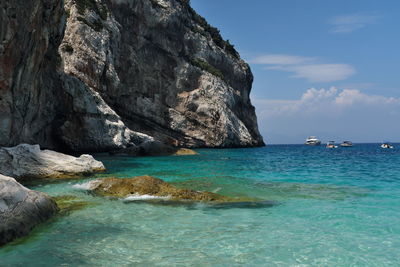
[152,186]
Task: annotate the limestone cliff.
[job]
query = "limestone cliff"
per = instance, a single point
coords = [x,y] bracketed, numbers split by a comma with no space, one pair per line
[98,75]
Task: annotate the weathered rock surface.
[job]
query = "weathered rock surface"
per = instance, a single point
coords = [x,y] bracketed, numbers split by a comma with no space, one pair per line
[30,33]
[21,209]
[29,161]
[102,75]
[152,186]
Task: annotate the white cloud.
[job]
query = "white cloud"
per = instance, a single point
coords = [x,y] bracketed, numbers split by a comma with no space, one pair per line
[322,72]
[306,67]
[352,97]
[326,99]
[351,22]
[331,114]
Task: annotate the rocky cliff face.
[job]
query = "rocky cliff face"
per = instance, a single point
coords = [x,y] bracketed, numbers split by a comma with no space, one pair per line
[30,33]
[97,75]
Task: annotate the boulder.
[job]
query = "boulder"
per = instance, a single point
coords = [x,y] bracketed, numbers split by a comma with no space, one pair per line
[29,161]
[21,209]
[150,187]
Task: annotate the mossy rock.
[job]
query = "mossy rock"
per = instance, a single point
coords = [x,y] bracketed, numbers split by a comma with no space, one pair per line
[148,185]
[185,152]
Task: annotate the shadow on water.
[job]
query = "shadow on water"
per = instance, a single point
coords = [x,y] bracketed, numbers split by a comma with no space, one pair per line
[277,191]
[122,163]
[206,206]
[50,231]
[244,205]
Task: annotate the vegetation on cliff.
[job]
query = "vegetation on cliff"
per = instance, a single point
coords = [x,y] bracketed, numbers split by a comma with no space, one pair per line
[204,65]
[208,29]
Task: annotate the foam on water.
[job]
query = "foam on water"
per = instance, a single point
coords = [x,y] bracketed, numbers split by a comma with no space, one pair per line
[89,185]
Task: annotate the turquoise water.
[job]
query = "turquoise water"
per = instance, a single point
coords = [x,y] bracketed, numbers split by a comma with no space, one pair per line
[337,207]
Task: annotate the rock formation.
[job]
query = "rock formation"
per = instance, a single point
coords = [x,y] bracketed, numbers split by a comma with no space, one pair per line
[28,162]
[21,209]
[101,75]
[152,187]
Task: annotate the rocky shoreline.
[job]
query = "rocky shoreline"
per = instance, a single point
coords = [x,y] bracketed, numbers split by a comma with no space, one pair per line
[21,209]
[135,78]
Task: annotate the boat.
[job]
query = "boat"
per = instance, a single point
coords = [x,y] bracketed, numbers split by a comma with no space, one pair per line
[346,144]
[331,144]
[312,141]
[386,145]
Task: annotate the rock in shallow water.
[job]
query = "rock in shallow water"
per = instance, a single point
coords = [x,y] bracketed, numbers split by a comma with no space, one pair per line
[148,187]
[21,209]
[29,161]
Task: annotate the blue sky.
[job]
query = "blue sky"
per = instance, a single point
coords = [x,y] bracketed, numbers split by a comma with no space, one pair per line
[325,68]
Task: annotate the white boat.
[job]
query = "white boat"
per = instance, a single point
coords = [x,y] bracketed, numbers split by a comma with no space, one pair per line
[312,141]
[331,144]
[346,144]
[386,145]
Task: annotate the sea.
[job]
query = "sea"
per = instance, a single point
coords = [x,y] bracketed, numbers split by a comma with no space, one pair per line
[317,207]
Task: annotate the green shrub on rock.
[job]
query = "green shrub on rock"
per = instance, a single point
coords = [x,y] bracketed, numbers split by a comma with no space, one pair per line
[204,65]
[214,32]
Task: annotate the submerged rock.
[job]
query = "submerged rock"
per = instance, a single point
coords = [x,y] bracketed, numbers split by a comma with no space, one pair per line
[148,187]
[185,152]
[21,209]
[69,203]
[29,161]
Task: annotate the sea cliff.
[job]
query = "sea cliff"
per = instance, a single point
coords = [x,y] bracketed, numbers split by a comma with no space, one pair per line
[103,75]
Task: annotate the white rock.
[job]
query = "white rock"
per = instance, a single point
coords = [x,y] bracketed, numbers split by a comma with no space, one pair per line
[21,209]
[29,161]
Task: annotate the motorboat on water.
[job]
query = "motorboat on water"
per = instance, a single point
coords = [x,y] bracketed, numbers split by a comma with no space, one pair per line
[346,144]
[331,144]
[312,141]
[386,145]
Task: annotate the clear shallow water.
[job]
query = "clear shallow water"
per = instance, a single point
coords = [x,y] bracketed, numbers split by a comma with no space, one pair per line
[331,208]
